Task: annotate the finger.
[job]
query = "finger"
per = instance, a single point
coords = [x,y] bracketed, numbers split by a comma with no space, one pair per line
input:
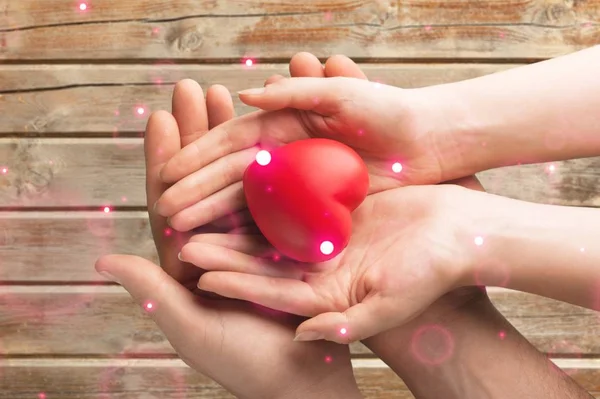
[189,109]
[216,258]
[273,79]
[219,205]
[219,105]
[305,64]
[235,220]
[309,94]
[358,322]
[254,245]
[167,301]
[205,182]
[340,65]
[235,135]
[161,142]
[284,294]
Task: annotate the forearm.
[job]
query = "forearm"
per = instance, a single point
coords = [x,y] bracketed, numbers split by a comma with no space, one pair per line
[542,112]
[549,250]
[486,358]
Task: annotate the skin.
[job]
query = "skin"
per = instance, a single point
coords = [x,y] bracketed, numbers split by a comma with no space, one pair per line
[469,307]
[216,336]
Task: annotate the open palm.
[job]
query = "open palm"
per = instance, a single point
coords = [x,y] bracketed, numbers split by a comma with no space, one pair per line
[400,259]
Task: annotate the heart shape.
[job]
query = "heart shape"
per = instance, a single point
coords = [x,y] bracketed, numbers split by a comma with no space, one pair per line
[302,195]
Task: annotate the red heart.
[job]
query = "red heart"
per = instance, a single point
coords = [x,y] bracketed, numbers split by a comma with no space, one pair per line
[301,196]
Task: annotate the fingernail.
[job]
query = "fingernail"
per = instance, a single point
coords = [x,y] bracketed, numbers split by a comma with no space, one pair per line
[309,336]
[252,92]
[169,222]
[109,276]
[179,256]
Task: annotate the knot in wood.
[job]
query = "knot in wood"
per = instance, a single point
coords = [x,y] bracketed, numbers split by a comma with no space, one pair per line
[559,13]
[190,41]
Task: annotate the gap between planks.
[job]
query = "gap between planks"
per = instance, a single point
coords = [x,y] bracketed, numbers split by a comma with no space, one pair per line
[177,363]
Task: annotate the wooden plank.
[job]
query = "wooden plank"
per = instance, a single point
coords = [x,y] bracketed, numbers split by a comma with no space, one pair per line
[192,30]
[147,379]
[105,99]
[63,246]
[110,172]
[45,320]
[172,379]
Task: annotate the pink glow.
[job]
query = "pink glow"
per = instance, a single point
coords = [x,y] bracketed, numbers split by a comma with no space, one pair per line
[328,359]
[106,209]
[83,6]
[149,306]
[432,344]
[343,331]
[502,334]
[4,170]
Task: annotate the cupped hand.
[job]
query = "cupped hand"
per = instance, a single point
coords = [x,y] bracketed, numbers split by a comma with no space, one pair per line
[244,347]
[378,121]
[409,247]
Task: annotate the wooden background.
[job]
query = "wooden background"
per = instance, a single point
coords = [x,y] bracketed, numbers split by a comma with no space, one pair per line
[71,83]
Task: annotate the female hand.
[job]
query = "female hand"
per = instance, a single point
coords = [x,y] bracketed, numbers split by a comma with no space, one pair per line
[389,127]
[246,348]
[409,247]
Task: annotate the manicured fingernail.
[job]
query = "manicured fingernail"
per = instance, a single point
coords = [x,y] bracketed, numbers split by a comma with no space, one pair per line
[109,276]
[309,336]
[252,92]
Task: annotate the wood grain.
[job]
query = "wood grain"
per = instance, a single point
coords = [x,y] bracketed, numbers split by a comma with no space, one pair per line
[46,320]
[188,30]
[172,379]
[110,172]
[104,99]
[63,246]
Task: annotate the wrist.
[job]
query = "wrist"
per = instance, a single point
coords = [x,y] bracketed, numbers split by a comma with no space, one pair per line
[443,113]
[339,383]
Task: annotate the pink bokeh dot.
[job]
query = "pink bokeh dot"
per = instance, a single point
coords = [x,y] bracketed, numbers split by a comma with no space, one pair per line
[343,331]
[106,209]
[149,306]
[168,232]
[428,28]
[436,340]
[83,6]
[502,334]
[42,395]
[4,170]
[328,359]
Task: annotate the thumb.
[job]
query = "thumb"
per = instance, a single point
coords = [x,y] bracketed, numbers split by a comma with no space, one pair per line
[323,96]
[358,322]
[165,300]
